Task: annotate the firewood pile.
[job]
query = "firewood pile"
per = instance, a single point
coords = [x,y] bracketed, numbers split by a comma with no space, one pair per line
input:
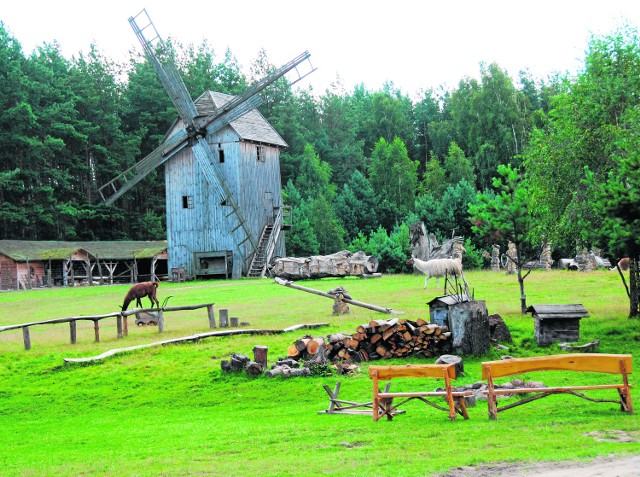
[377,339]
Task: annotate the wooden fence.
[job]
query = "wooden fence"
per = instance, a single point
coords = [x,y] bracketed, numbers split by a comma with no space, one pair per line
[121,321]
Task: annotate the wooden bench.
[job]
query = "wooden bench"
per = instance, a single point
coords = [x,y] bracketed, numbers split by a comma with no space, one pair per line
[598,363]
[383,401]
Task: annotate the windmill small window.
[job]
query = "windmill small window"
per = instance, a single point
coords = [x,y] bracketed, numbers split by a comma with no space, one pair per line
[260,153]
[220,154]
[187,202]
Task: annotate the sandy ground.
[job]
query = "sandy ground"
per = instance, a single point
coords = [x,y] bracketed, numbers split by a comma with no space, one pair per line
[628,466]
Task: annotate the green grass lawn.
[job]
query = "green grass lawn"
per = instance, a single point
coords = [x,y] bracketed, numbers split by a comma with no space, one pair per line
[171,411]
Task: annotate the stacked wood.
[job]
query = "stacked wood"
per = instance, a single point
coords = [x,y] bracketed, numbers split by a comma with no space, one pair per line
[393,338]
[340,264]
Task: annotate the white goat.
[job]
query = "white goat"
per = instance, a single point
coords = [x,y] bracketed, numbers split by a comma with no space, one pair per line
[437,267]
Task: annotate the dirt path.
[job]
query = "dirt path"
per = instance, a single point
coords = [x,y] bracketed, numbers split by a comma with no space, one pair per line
[628,466]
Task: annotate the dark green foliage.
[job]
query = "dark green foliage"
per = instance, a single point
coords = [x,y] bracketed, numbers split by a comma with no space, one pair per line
[392,250]
[618,198]
[506,217]
[355,206]
[393,175]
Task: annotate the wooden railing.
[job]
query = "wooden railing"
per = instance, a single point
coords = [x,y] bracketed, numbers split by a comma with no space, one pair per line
[121,321]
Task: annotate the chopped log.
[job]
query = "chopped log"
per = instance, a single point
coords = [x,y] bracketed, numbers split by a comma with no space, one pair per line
[301,344]
[289,373]
[254,369]
[293,351]
[292,363]
[375,338]
[335,338]
[314,345]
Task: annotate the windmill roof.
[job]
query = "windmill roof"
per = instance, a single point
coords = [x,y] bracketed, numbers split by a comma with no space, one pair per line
[22,250]
[251,126]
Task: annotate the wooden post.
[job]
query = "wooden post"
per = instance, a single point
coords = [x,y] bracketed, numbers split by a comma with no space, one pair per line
[376,401]
[96,329]
[260,355]
[234,322]
[212,316]
[491,398]
[125,327]
[160,321]
[224,318]
[26,337]
[119,325]
[73,331]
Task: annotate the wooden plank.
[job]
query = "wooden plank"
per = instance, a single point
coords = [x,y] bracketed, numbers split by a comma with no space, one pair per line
[560,389]
[414,371]
[602,363]
[191,338]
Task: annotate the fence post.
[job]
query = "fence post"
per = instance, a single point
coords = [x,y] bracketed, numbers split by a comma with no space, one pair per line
[119,325]
[160,321]
[125,327]
[224,318]
[212,316]
[26,337]
[96,329]
[73,331]
[234,322]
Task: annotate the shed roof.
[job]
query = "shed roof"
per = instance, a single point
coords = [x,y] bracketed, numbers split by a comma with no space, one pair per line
[23,250]
[449,299]
[543,312]
[251,126]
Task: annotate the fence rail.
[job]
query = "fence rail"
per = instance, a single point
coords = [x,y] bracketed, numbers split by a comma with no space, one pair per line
[121,321]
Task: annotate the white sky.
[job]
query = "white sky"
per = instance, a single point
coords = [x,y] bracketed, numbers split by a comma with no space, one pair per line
[417,44]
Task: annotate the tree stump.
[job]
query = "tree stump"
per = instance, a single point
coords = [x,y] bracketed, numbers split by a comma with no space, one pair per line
[498,329]
[260,355]
[452,359]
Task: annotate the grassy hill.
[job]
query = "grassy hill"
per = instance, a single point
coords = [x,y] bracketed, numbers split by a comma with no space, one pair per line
[171,411]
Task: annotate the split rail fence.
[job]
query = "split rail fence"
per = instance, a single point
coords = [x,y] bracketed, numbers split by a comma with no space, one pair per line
[121,321]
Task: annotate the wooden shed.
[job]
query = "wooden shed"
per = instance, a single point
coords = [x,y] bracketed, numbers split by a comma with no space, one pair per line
[202,237]
[31,264]
[557,322]
[466,318]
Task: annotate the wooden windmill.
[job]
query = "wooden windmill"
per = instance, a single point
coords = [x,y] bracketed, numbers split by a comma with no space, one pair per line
[223,192]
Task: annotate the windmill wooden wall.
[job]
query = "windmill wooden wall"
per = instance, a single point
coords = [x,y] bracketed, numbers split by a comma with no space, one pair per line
[197,222]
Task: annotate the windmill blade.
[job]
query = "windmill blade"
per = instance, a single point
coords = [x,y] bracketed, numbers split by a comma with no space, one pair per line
[251,98]
[116,187]
[164,67]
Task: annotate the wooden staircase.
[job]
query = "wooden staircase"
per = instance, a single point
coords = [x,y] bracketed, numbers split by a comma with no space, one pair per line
[260,260]
[267,243]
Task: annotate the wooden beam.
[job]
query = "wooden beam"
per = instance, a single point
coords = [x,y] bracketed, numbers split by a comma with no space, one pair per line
[290,284]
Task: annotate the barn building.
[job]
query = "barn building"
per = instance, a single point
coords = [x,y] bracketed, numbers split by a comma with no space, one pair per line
[202,240]
[33,264]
